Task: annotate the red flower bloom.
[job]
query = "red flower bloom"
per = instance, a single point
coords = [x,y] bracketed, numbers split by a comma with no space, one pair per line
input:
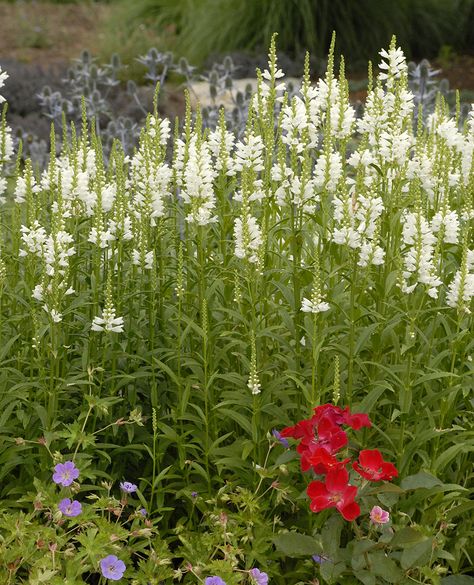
[320,460]
[302,429]
[333,413]
[357,420]
[330,436]
[372,466]
[334,493]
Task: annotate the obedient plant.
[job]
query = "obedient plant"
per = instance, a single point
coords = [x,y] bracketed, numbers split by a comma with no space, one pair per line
[209,288]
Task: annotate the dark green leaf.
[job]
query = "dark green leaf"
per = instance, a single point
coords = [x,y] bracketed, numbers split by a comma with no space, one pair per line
[293,544]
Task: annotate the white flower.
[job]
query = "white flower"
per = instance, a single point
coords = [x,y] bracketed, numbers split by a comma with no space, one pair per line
[101,238]
[3,188]
[327,178]
[159,129]
[254,384]
[394,65]
[346,235]
[220,146]
[248,238]
[33,239]
[370,254]
[198,189]
[55,315]
[248,154]
[148,259]
[450,221]
[454,297]
[308,306]
[108,322]
[3,76]
[38,292]
[278,74]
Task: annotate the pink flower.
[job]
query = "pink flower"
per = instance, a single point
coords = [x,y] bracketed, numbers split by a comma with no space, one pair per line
[379,516]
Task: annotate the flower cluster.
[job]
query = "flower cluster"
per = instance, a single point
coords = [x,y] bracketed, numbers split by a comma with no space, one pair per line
[64,475]
[321,438]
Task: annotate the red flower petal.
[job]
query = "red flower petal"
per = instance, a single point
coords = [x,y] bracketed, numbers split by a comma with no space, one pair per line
[316,489]
[371,458]
[356,420]
[350,512]
[320,504]
[389,471]
[336,480]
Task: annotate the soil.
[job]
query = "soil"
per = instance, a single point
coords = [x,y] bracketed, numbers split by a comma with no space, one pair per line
[48,34]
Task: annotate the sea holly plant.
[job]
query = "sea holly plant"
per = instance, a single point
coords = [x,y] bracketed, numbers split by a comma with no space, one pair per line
[379,551]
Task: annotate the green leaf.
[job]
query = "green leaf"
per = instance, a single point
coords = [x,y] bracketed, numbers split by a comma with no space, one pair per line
[385,567]
[331,535]
[417,555]
[286,456]
[362,546]
[331,571]
[420,480]
[387,488]
[366,577]
[359,560]
[406,536]
[457,580]
[237,417]
[293,544]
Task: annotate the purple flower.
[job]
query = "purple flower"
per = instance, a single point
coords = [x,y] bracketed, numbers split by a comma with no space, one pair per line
[214,581]
[70,508]
[259,577]
[127,487]
[65,473]
[143,512]
[320,559]
[281,439]
[112,568]
[194,495]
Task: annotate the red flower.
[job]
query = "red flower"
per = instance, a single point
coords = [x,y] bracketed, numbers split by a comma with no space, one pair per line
[357,420]
[302,429]
[334,493]
[330,436]
[372,466]
[320,460]
[333,413]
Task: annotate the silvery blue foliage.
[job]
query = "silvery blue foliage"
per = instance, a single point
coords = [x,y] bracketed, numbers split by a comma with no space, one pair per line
[425,85]
[101,87]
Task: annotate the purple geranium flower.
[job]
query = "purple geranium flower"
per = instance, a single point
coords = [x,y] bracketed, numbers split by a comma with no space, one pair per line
[70,508]
[112,568]
[128,487]
[259,577]
[281,439]
[320,559]
[65,473]
[214,581]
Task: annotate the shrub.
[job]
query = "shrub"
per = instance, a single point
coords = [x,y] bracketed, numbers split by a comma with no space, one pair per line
[206,27]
